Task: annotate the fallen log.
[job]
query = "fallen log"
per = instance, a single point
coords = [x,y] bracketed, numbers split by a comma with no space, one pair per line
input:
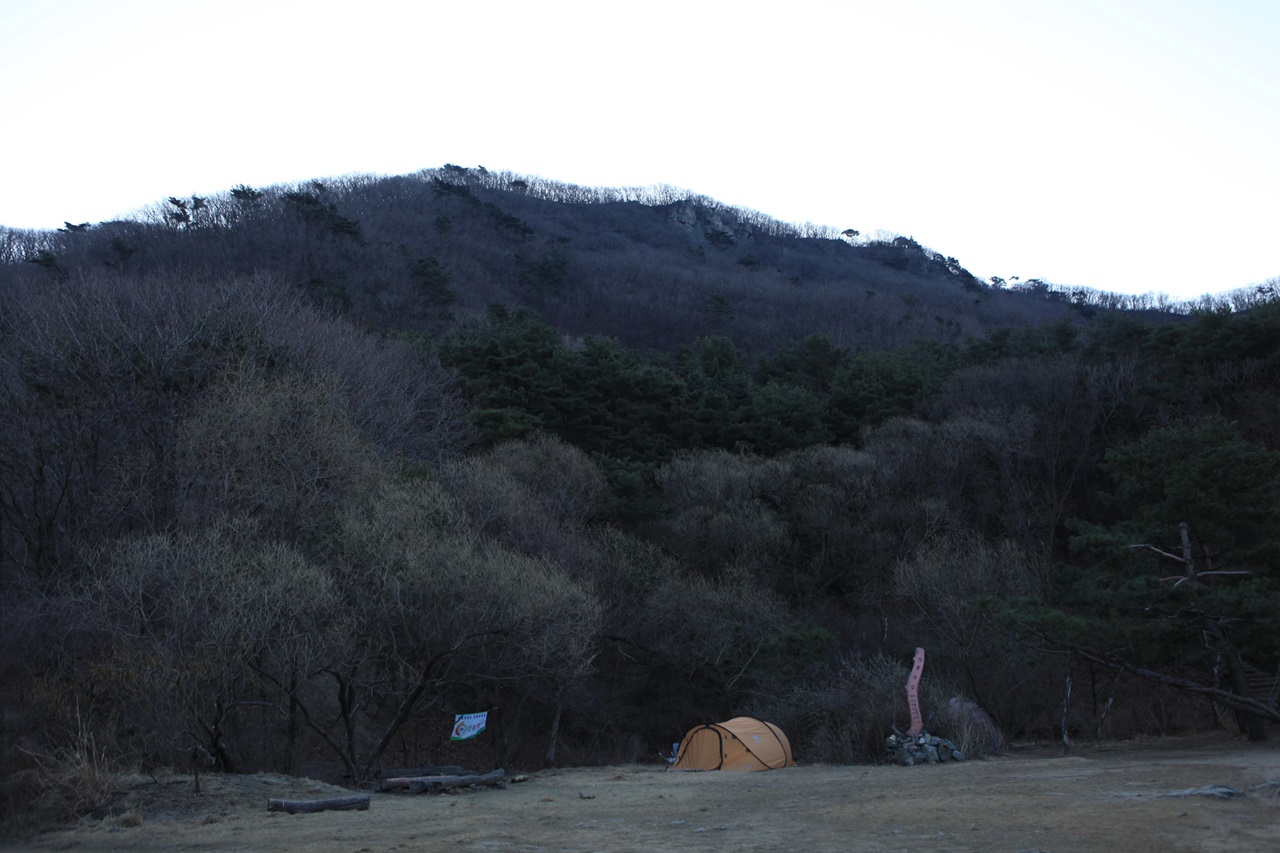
[430,770]
[356,802]
[422,784]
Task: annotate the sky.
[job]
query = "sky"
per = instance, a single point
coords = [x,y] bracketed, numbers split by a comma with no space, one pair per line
[1125,145]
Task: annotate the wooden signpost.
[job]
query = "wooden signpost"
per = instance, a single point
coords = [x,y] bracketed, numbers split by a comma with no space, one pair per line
[913,694]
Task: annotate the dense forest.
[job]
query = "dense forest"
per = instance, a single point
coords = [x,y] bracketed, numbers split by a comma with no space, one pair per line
[293,475]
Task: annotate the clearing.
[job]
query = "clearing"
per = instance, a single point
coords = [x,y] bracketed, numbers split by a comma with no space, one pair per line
[1196,794]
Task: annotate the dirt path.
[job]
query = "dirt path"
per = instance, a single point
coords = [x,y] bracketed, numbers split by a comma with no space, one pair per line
[1128,798]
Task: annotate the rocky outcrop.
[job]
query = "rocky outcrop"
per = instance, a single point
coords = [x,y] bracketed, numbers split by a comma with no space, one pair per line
[718,227]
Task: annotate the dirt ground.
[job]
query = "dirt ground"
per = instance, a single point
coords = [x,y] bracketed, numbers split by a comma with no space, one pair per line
[1131,797]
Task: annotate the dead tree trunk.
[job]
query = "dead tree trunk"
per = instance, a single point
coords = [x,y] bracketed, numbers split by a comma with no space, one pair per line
[1215,633]
[1251,725]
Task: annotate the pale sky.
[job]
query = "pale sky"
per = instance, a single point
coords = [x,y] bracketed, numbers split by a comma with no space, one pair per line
[1125,145]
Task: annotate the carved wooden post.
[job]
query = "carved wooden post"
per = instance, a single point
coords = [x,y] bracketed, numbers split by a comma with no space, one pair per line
[1066,707]
[913,698]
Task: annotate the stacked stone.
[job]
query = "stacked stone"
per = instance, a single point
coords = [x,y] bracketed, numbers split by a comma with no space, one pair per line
[921,749]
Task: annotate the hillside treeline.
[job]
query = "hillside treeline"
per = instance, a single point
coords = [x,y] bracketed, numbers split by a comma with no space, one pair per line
[268,522]
[653,270]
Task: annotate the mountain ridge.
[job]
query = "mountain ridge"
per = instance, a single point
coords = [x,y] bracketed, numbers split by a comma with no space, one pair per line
[653,267]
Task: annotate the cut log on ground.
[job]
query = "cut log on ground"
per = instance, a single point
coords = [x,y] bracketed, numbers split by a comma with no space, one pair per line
[357,802]
[430,770]
[423,784]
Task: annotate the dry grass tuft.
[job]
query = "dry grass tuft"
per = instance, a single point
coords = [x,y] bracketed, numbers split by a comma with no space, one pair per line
[61,784]
[131,818]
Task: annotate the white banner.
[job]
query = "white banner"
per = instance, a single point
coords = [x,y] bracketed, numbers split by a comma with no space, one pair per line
[467,726]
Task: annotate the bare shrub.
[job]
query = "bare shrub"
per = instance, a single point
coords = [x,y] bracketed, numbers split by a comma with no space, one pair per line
[567,483]
[947,576]
[63,783]
[845,717]
[719,644]
[106,381]
[437,613]
[186,620]
[534,495]
[282,448]
[945,583]
[721,512]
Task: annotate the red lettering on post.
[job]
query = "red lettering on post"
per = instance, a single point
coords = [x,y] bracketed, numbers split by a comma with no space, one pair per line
[913,697]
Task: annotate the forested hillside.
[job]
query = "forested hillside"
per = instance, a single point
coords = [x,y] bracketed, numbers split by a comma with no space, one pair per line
[296,474]
[654,269]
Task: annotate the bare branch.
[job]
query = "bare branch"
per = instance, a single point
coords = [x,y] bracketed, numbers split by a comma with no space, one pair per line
[1156,550]
[1244,704]
[1178,579]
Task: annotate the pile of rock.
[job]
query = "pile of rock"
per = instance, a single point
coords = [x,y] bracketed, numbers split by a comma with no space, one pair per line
[923,748]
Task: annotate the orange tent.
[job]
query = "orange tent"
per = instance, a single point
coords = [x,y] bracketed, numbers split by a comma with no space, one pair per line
[743,743]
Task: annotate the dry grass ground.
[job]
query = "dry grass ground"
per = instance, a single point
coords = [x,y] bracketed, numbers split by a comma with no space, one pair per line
[1134,796]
